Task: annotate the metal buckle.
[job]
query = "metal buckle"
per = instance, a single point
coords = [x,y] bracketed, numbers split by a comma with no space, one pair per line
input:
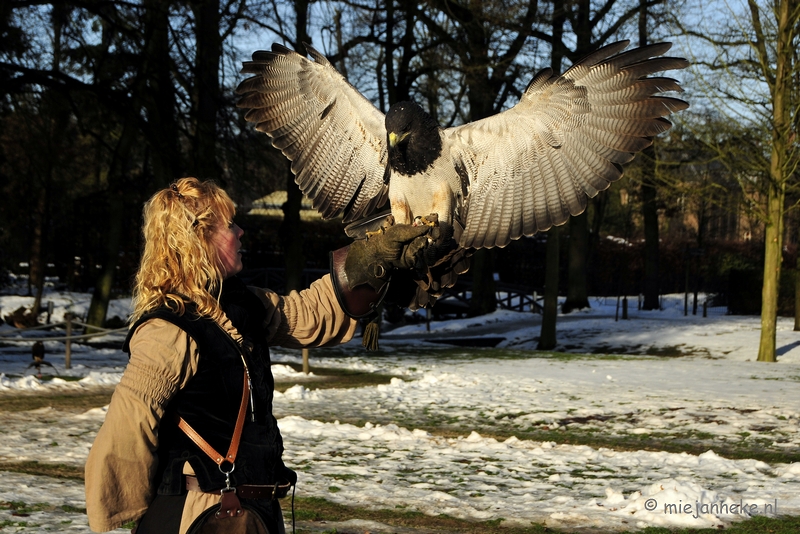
[227,475]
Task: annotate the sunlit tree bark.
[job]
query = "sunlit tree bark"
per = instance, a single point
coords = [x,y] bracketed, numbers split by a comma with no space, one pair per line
[779,75]
[751,74]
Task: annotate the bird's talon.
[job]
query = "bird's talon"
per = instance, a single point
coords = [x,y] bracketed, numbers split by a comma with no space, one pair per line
[388,222]
[431,220]
[379,231]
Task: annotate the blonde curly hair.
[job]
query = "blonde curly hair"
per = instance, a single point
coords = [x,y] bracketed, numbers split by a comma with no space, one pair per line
[179,263]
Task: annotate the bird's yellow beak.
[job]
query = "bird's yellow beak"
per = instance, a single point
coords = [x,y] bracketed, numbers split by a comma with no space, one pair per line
[394,139]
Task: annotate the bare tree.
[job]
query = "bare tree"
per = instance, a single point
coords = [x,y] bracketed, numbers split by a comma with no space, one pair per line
[547,335]
[144,82]
[750,72]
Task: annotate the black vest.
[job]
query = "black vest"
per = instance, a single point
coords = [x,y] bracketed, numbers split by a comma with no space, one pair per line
[210,401]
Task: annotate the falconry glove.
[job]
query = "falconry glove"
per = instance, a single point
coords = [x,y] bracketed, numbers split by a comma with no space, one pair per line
[372,260]
[361,271]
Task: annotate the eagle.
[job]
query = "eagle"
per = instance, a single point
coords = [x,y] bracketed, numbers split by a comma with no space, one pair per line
[486,182]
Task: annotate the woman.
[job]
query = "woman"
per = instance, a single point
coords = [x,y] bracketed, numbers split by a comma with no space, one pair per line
[198,342]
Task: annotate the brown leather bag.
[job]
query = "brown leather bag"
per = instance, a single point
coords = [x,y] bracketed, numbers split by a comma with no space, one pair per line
[216,520]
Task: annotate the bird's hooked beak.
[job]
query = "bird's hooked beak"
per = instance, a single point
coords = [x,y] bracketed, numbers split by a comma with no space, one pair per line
[394,139]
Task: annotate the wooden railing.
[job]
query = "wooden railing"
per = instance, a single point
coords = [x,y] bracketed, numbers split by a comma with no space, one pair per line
[455,300]
[68,324]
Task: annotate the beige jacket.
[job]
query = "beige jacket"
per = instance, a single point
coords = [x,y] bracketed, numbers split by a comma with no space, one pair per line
[122,462]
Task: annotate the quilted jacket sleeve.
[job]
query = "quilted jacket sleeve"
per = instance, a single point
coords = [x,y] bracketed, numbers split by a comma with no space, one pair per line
[122,462]
[308,318]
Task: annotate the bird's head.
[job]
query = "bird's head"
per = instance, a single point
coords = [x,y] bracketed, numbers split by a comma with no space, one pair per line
[413,138]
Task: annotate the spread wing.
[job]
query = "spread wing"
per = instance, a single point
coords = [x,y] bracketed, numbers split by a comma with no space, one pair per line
[534,165]
[335,138]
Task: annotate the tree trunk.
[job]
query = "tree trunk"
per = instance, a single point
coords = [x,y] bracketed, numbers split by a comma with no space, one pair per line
[118,172]
[37,261]
[600,202]
[101,296]
[781,88]
[577,288]
[547,337]
[578,254]
[484,298]
[291,230]
[797,292]
[291,235]
[772,273]
[486,72]
[159,100]
[206,91]
[650,218]
[117,177]
[651,287]
[55,109]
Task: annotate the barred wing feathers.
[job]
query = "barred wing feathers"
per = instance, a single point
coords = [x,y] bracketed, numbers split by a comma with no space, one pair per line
[334,137]
[534,165]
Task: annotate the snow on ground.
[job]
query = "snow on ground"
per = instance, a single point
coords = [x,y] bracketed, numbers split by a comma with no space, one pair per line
[714,391]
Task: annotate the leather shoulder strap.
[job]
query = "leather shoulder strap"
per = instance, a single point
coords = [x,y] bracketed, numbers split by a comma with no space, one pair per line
[195,325]
[237,431]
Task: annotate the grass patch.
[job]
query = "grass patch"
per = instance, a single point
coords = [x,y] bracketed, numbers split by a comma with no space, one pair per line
[329,377]
[71,401]
[80,401]
[604,353]
[20,508]
[693,443]
[756,525]
[647,442]
[16,524]
[23,509]
[46,377]
[70,472]
[670,351]
[316,509]
[788,378]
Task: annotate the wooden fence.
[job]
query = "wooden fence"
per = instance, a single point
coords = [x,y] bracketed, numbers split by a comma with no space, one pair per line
[68,337]
[455,300]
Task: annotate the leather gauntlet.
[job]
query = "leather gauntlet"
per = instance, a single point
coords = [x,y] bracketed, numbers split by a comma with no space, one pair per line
[359,301]
[361,271]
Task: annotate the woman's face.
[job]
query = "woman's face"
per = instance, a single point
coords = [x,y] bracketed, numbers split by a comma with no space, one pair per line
[229,248]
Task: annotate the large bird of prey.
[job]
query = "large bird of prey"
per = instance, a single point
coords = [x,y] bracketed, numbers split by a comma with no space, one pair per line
[494,180]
